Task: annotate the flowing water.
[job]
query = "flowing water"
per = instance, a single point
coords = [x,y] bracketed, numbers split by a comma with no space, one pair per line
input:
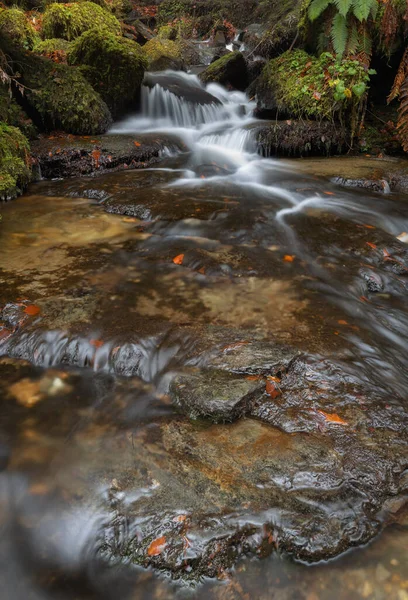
[238,277]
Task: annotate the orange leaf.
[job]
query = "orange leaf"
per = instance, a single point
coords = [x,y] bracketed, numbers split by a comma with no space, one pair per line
[96,343]
[272,390]
[180,519]
[276,379]
[289,257]
[178,260]
[373,246]
[369,226]
[333,418]
[32,310]
[342,322]
[157,546]
[329,193]
[137,144]
[96,154]
[253,377]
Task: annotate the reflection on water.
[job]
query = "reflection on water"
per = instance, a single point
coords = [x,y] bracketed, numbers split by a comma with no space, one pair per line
[217,286]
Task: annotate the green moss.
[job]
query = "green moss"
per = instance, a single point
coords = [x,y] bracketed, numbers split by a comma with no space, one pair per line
[167,32]
[316,87]
[15,171]
[156,48]
[69,21]
[47,47]
[12,114]
[15,25]
[115,66]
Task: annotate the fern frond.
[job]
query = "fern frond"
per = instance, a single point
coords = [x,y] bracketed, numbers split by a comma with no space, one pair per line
[402,124]
[389,24]
[338,34]
[353,40]
[343,6]
[400,77]
[317,7]
[363,8]
[365,43]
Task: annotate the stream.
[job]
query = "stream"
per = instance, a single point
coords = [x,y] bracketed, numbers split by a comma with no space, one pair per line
[203,373]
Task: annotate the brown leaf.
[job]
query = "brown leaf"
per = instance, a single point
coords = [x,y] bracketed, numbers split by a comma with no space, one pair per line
[289,257]
[157,546]
[96,343]
[333,418]
[137,144]
[272,390]
[178,260]
[32,310]
[373,246]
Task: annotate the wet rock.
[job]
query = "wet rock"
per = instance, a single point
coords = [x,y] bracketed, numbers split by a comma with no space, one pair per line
[180,87]
[141,31]
[380,185]
[75,156]
[230,70]
[215,395]
[300,138]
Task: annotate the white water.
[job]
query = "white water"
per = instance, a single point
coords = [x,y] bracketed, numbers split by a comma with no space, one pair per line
[221,144]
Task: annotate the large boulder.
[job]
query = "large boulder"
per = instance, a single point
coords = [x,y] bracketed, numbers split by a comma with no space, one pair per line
[229,70]
[14,24]
[56,96]
[69,21]
[113,65]
[15,171]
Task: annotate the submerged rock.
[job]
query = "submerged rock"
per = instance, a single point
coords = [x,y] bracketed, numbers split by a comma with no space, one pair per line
[216,395]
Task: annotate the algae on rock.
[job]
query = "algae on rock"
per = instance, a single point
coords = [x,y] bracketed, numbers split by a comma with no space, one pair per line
[113,65]
[69,21]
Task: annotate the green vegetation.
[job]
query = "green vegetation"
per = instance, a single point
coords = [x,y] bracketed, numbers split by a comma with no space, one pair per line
[15,25]
[115,66]
[46,47]
[15,169]
[69,21]
[322,88]
[228,70]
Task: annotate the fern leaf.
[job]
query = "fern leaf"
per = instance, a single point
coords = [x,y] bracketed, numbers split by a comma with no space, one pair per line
[317,7]
[402,124]
[343,6]
[400,77]
[363,8]
[353,40]
[366,44]
[338,34]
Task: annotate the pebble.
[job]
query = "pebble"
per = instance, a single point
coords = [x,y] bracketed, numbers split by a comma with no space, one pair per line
[381,573]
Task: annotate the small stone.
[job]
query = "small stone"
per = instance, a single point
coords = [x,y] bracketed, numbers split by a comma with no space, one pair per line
[394,562]
[381,573]
[402,595]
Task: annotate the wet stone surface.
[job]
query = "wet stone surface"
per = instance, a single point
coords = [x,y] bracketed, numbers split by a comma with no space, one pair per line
[215,371]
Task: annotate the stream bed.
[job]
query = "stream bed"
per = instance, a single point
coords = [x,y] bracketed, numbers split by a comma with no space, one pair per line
[203,373]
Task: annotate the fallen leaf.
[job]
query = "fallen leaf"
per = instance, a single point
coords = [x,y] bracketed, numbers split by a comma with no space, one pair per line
[276,379]
[157,546]
[253,377]
[96,343]
[373,246]
[32,310]
[289,257]
[369,226]
[272,390]
[178,260]
[137,144]
[180,519]
[333,418]
[96,154]
[342,322]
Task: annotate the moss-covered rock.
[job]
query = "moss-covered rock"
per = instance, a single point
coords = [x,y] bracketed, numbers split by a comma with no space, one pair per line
[69,21]
[157,48]
[12,114]
[167,32]
[229,70]
[115,66]
[15,169]
[15,25]
[55,48]
[321,88]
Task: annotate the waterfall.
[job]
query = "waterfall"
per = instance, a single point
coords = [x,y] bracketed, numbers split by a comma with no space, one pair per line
[159,103]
